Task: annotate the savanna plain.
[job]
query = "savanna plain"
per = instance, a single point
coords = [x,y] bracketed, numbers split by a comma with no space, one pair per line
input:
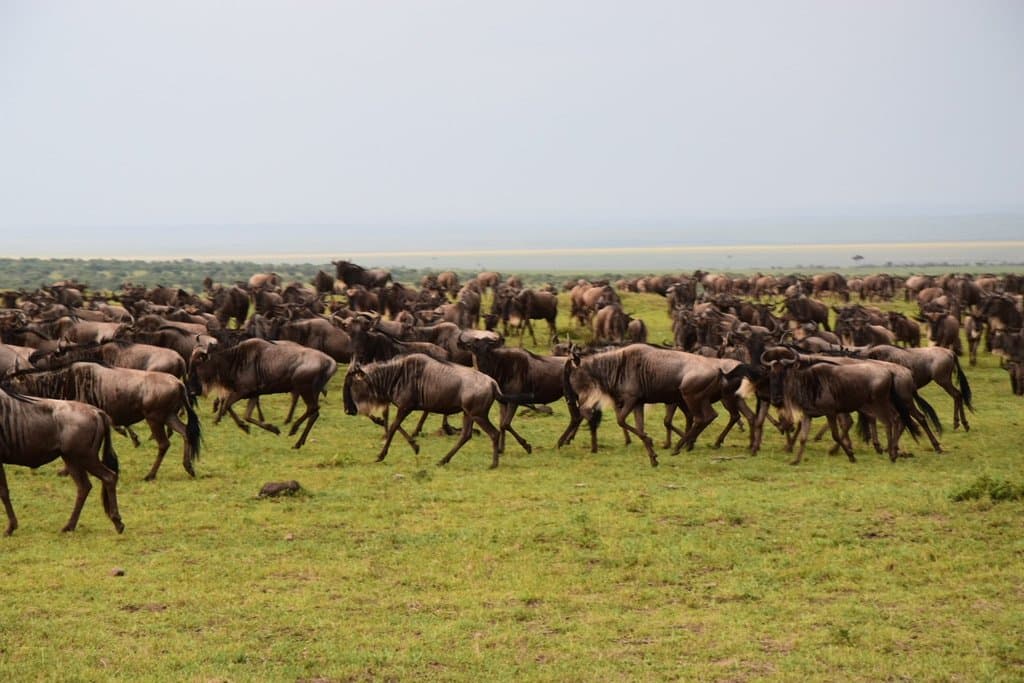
[559,565]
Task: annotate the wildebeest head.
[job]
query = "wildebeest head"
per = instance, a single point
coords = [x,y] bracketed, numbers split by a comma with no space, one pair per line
[778,360]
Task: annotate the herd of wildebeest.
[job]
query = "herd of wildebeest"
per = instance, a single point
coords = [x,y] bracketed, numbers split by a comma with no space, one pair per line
[78,364]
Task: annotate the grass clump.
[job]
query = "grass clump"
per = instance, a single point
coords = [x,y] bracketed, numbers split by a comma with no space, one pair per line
[997,490]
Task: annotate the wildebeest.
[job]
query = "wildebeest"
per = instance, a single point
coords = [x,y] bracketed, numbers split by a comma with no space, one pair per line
[931,364]
[230,303]
[418,382]
[804,309]
[316,333]
[255,367]
[36,431]
[118,353]
[945,332]
[127,396]
[635,375]
[818,387]
[352,275]
[518,372]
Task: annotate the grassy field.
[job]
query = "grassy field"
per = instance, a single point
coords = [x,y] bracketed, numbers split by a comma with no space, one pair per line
[560,565]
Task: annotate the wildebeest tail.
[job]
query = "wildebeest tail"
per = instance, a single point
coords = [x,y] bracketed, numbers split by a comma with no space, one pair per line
[109,455]
[928,411]
[965,388]
[903,410]
[863,428]
[193,433]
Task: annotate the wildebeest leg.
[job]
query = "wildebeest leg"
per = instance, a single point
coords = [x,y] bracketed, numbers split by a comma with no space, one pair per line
[309,417]
[670,428]
[621,413]
[824,428]
[703,415]
[400,414]
[736,408]
[485,424]
[259,423]
[291,409]
[5,496]
[419,425]
[446,428]
[225,408]
[83,486]
[803,433]
[467,432]
[757,427]
[508,411]
[127,432]
[174,424]
[958,402]
[162,444]
[920,418]
[840,438]
[108,479]
[575,418]
[895,428]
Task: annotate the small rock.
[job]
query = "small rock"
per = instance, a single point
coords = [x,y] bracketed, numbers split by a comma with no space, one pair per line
[117,571]
[279,488]
[289,537]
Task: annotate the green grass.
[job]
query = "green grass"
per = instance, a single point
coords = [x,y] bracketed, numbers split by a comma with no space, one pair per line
[560,565]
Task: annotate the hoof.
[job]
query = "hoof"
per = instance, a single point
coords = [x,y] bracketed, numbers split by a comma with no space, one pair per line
[119,526]
[67,529]
[528,448]
[274,430]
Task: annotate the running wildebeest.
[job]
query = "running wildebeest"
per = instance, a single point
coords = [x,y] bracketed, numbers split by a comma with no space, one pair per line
[418,382]
[36,431]
[818,387]
[255,367]
[928,364]
[127,396]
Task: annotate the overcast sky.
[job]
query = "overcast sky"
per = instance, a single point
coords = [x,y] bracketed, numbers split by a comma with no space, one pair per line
[546,117]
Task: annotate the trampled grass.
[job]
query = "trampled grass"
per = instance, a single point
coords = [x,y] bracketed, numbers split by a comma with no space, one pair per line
[560,565]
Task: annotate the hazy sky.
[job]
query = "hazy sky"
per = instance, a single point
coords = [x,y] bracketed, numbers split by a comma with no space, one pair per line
[545,116]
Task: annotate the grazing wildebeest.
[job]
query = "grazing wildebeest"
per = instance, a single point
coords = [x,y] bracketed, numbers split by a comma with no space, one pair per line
[821,388]
[36,431]
[352,275]
[127,396]
[929,364]
[255,367]
[418,382]
[527,305]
